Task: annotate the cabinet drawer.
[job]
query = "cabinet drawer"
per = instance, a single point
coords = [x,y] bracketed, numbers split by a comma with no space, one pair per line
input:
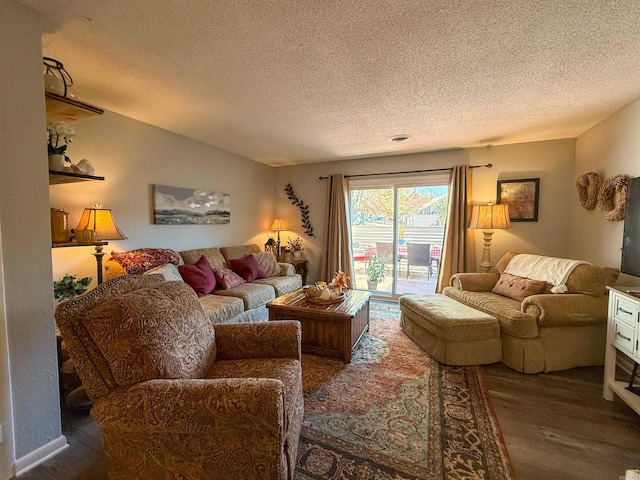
[624,337]
[625,310]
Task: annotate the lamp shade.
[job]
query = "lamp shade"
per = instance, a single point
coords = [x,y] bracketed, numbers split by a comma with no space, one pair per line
[490,217]
[101,221]
[278,225]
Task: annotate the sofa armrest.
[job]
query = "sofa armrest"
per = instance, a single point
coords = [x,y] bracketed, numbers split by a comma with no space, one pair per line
[474,282]
[280,339]
[244,405]
[286,269]
[567,309]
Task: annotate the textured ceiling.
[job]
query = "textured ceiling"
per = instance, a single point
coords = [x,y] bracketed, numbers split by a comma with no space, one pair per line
[297,81]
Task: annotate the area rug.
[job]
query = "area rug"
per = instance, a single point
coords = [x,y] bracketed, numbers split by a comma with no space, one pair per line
[393,413]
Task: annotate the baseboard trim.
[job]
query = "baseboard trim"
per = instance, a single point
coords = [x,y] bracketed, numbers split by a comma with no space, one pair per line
[42,454]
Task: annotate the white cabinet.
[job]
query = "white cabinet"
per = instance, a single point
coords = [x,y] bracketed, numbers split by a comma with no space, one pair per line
[623,335]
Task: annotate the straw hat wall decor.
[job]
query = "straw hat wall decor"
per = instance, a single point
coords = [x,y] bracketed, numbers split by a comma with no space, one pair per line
[611,209]
[588,186]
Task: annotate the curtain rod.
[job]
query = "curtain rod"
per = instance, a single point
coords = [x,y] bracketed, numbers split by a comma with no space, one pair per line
[488,165]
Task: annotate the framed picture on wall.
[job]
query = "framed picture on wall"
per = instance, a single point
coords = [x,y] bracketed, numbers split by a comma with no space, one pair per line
[522,197]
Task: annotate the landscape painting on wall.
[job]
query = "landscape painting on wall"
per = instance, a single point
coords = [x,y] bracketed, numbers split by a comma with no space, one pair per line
[186,206]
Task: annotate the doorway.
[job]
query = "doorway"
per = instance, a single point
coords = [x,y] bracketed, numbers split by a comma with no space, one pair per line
[397,230]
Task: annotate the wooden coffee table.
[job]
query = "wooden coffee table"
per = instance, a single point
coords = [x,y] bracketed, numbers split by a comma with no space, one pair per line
[329,330]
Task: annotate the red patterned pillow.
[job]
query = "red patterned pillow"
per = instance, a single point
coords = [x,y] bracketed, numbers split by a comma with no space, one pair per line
[199,276]
[248,268]
[227,278]
[140,260]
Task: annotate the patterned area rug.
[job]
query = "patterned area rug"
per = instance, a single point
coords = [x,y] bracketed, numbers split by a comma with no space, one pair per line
[395,414]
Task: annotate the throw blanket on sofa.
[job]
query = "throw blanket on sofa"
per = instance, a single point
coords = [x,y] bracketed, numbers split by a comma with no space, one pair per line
[548,269]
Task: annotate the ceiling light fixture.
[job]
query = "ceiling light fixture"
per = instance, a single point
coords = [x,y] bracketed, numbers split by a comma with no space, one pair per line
[400,138]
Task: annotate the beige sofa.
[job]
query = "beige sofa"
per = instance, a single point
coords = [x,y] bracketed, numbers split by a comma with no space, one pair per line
[242,303]
[547,331]
[177,397]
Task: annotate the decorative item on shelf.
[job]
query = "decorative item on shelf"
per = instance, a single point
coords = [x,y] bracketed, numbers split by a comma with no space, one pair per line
[56,79]
[96,226]
[304,210]
[278,226]
[59,225]
[85,167]
[59,136]
[68,287]
[295,247]
[489,218]
[375,268]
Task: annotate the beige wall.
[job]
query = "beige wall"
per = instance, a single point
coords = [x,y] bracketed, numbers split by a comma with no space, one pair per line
[133,156]
[24,217]
[610,148]
[551,161]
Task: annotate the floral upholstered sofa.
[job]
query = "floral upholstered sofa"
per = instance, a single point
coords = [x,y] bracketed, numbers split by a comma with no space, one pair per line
[228,284]
[552,312]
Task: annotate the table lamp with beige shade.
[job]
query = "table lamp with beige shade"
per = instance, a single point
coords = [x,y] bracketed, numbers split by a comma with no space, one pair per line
[488,218]
[97,225]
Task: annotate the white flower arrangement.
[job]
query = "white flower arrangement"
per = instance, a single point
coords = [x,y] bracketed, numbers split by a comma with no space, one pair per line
[59,135]
[294,245]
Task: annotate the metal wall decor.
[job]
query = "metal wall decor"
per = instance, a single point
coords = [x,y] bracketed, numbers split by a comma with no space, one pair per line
[304,210]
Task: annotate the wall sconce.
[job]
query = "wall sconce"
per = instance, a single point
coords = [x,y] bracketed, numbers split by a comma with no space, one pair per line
[97,225]
[278,226]
[488,218]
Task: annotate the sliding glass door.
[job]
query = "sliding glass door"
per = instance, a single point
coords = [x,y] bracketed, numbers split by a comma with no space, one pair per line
[397,228]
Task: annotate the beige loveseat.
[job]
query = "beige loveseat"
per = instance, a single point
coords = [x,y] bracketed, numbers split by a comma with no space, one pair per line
[241,303]
[545,331]
[176,396]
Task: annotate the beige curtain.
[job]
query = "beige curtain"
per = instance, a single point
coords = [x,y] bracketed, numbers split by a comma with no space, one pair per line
[458,249]
[337,255]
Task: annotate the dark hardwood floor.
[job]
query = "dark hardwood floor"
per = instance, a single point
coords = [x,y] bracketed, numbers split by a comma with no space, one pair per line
[556,427]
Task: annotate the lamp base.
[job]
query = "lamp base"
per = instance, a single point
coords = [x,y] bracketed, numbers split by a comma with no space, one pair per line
[485,264]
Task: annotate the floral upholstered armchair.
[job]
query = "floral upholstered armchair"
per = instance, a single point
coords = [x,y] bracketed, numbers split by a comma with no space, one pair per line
[176,398]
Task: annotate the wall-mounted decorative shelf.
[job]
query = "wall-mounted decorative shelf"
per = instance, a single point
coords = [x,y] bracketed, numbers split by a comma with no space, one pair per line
[56,178]
[64,109]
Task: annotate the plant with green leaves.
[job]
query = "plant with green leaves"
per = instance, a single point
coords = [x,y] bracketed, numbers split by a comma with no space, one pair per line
[68,287]
[375,269]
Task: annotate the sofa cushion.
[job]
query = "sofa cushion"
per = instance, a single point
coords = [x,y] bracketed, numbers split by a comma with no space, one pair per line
[516,287]
[252,294]
[269,264]
[591,280]
[241,251]
[142,259]
[213,256]
[248,268]
[219,308]
[199,276]
[159,332]
[169,271]
[227,278]
[282,284]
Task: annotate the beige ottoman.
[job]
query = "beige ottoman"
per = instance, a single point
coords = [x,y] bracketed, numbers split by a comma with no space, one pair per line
[450,332]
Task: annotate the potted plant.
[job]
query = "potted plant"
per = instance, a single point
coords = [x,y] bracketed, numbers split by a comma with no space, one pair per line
[59,135]
[68,287]
[295,247]
[375,272]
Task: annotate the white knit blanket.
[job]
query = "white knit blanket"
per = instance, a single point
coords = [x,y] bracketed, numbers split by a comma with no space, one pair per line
[548,269]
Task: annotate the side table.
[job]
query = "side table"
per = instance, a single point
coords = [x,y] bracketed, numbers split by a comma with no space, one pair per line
[301,268]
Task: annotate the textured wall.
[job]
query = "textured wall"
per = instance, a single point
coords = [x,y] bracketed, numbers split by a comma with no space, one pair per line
[610,148]
[24,215]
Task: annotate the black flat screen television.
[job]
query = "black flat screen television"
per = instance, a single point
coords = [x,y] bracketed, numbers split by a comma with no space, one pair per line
[631,237]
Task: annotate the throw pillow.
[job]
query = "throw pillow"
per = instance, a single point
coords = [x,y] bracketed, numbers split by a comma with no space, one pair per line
[269,264]
[169,271]
[516,287]
[142,259]
[159,332]
[227,278]
[199,276]
[248,268]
